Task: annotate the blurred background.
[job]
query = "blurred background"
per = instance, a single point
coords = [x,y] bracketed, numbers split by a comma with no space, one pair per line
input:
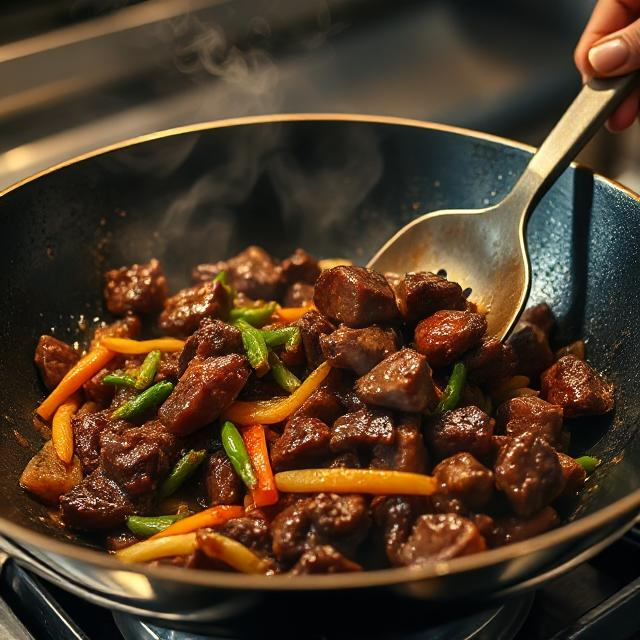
[81,74]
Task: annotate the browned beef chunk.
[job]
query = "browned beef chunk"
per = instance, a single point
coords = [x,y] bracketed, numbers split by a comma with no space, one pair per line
[96,391]
[252,532]
[213,338]
[138,458]
[127,327]
[472,396]
[323,404]
[356,296]
[96,503]
[169,367]
[573,473]
[184,311]
[300,267]
[345,460]
[121,540]
[530,413]
[54,358]
[289,531]
[422,294]
[401,381]
[576,349]
[298,294]
[223,483]
[540,315]
[204,391]
[323,559]
[492,361]
[529,473]
[510,529]
[446,335]
[358,349]
[140,288]
[302,441]
[407,453]
[441,537]
[465,429]
[530,345]
[312,325]
[463,477]
[363,428]
[577,388]
[86,437]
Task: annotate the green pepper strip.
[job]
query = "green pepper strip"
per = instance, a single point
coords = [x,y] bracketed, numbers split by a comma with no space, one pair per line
[255,316]
[144,402]
[588,463]
[181,472]
[223,279]
[452,391]
[254,346]
[237,453]
[287,336]
[120,379]
[146,526]
[148,370]
[283,377]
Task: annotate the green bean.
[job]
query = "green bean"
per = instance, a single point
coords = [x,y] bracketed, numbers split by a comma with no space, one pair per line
[181,472]
[148,370]
[452,391]
[144,402]
[120,379]
[146,526]
[283,377]
[237,453]
[588,463]
[255,316]
[254,346]
[287,336]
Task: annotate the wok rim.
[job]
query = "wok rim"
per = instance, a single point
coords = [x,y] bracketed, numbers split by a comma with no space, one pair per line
[577,529]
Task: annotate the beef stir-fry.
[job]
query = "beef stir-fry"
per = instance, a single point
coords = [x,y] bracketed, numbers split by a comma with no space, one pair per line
[307,417]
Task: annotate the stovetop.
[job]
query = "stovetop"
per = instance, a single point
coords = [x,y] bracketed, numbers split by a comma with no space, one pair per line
[598,599]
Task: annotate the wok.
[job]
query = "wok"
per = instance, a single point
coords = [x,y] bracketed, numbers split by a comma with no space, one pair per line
[338,186]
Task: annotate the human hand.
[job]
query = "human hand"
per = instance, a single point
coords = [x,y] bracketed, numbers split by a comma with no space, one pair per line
[610,46]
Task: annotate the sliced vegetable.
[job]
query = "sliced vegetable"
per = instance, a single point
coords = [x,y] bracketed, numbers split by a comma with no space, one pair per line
[88,407]
[223,279]
[148,370]
[145,526]
[277,410]
[120,379]
[339,480]
[255,316]
[287,336]
[291,314]
[265,492]
[207,518]
[254,346]
[154,548]
[588,463]
[231,552]
[144,402]
[452,391]
[138,347]
[61,429]
[283,377]
[82,371]
[183,470]
[236,451]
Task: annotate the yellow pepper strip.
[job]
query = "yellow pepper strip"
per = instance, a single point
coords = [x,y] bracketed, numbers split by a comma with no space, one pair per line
[231,552]
[139,347]
[208,518]
[329,263]
[277,410]
[291,314]
[82,371]
[61,430]
[155,548]
[375,481]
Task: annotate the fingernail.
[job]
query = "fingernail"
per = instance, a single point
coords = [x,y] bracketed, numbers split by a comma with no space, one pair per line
[609,56]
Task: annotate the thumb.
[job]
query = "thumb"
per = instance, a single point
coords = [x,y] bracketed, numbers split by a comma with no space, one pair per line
[618,53]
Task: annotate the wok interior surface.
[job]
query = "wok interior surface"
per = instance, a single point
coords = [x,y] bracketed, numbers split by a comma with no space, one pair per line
[337,187]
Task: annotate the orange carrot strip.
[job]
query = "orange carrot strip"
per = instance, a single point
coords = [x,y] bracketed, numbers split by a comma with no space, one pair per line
[291,314]
[82,371]
[277,410]
[61,430]
[138,347]
[265,492]
[207,518]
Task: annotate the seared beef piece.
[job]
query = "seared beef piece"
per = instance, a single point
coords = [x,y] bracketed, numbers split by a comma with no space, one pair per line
[446,335]
[323,559]
[422,294]
[529,473]
[346,460]
[300,267]
[576,349]
[121,540]
[540,315]
[54,358]
[122,395]
[302,441]
[138,458]
[401,381]
[466,429]
[363,428]
[530,345]
[358,349]
[510,529]
[530,413]
[223,483]
[577,388]
[461,476]
[472,396]
[492,361]
[86,436]
[212,338]
[184,311]
[141,288]
[96,391]
[312,325]
[251,532]
[298,294]
[127,327]
[407,453]
[323,404]
[169,367]
[204,391]
[438,537]
[263,388]
[356,296]
[96,503]
[289,531]
[573,473]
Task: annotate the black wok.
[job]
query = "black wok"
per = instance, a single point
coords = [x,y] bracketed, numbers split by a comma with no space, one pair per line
[337,185]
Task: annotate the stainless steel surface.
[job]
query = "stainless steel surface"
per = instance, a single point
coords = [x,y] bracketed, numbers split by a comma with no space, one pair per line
[486,249]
